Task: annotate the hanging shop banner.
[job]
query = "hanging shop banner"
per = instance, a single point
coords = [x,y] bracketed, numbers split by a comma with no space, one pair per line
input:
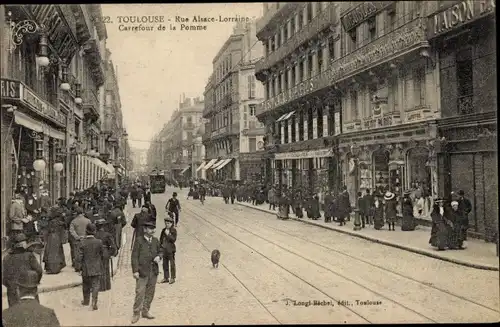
[304,154]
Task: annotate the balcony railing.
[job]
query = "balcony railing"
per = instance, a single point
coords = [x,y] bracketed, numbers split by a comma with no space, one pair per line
[384,120]
[319,23]
[273,12]
[406,38]
[90,103]
[418,113]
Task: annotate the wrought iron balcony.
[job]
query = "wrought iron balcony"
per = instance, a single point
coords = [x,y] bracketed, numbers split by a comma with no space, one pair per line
[418,113]
[91,105]
[274,16]
[93,53]
[319,23]
[83,22]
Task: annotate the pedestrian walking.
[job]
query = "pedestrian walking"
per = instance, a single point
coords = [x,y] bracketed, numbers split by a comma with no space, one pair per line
[174,206]
[53,255]
[439,231]
[28,312]
[378,211]
[344,206]
[367,204]
[16,261]
[77,230]
[146,254]
[168,236]
[110,251]
[465,207]
[390,209]
[408,221]
[91,255]
[456,232]
[117,217]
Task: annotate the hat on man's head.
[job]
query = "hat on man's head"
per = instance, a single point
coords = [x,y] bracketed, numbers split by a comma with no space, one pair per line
[438,200]
[91,229]
[19,238]
[169,218]
[461,193]
[149,224]
[28,279]
[100,222]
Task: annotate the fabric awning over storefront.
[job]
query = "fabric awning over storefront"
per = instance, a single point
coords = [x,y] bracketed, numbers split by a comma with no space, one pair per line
[285,116]
[185,169]
[31,123]
[201,166]
[87,171]
[223,164]
[214,167]
[210,164]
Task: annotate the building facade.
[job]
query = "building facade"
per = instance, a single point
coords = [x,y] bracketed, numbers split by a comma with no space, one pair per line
[171,149]
[49,98]
[466,47]
[232,133]
[375,95]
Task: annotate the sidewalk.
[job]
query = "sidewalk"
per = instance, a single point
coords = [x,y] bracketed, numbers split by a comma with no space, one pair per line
[479,254]
[67,278]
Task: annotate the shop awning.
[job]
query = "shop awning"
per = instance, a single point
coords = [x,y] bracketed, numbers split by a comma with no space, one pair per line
[288,115]
[185,169]
[31,123]
[87,171]
[223,164]
[281,118]
[210,164]
[201,166]
[214,167]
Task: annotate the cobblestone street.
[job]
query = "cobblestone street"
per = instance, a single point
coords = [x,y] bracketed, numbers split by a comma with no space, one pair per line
[270,270]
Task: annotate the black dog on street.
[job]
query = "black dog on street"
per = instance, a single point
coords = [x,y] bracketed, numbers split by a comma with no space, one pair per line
[215,258]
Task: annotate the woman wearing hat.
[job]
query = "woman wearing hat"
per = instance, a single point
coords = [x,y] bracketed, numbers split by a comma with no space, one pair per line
[53,254]
[439,231]
[109,251]
[378,211]
[455,230]
[408,221]
[390,209]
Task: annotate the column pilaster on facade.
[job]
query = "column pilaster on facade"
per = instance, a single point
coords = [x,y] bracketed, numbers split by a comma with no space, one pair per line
[306,67]
[314,9]
[276,44]
[276,90]
[289,78]
[297,27]
[289,28]
[297,137]
[269,44]
[297,73]
[289,122]
[315,55]
[315,121]
[282,130]
[326,112]
[304,16]
[283,86]
[266,94]
[325,53]
[282,34]
[306,114]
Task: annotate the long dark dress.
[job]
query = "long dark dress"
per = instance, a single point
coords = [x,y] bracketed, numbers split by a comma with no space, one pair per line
[53,254]
[378,216]
[390,211]
[328,207]
[315,213]
[408,222]
[109,251]
[455,232]
[439,231]
[284,208]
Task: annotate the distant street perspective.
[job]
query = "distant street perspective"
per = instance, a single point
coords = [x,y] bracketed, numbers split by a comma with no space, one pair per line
[249,163]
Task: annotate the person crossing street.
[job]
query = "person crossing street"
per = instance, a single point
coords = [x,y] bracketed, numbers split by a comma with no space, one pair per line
[173,205]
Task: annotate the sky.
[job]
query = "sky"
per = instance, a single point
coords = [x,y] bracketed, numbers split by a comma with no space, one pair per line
[156,67]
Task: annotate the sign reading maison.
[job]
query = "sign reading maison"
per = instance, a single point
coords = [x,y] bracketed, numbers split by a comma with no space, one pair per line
[362,12]
[459,14]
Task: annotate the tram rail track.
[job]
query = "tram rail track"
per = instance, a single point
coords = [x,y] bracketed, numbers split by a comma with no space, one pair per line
[370,264]
[199,216]
[220,214]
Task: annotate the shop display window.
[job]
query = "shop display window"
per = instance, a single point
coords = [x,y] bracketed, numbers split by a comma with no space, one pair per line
[419,182]
[365,177]
[381,171]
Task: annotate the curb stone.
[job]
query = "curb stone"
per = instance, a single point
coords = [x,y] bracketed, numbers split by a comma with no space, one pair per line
[387,243]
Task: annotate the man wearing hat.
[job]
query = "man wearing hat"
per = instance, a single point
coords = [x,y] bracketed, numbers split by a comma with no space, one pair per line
[110,250]
[28,311]
[18,260]
[146,254]
[464,207]
[168,236]
[91,255]
[77,229]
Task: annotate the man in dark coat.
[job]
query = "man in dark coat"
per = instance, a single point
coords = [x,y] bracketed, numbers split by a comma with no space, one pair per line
[147,195]
[464,207]
[15,262]
[138,222]
[91,255]
[328,203]
[77,230]
[134,195]
[110,250]
[146,254]
[151,207]
[344,206]
[168,236]
[28,312]
[117,217]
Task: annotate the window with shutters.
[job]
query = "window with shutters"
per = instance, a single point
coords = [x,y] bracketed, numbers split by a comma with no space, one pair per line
[310,65]
[352,39]
[465,82]
[252,144]
[301,125]
[372,29]
[251,108]
[309,124]
[419,86]
[285,130]
[294,136]
[354,105]
[292,82]
[292,26]
[331,48]
[245,116]
[319,121]
[309,12]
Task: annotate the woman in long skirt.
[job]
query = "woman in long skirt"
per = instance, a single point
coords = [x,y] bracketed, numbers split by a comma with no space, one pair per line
[408,222]
[53,254]
[109,251]
[284,207]
[390,209]
[439,231]
[378,212]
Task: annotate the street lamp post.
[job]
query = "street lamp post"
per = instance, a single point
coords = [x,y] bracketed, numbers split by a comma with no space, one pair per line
[355,149]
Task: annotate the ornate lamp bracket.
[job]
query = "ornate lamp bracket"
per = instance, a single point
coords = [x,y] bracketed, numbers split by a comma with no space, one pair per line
[17,31]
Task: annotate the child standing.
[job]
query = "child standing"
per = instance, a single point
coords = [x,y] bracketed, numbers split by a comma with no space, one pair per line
[168,236]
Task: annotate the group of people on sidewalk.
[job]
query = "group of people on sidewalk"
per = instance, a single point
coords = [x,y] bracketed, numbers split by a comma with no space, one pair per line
[91,221]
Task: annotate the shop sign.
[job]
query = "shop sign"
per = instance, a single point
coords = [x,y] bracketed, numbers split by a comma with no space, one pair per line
[59,33]
[362,12]
[459,14]
[41,106]
[384,48]
[10,89]
[304,154]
